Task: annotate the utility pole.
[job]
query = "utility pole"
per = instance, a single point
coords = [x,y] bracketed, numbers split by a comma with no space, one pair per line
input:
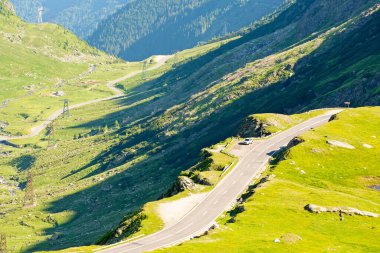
[66,109]
[3,243]
[145,67]
[29,195]
[40,13]
[225,28]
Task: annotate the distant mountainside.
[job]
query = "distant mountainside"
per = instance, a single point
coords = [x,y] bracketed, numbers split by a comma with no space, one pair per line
[80,16]
[146,27]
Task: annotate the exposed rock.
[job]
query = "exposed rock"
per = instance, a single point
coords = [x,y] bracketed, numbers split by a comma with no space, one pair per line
[333,117]
[277,240]
[252,127]
[130,225]
[23,223]
[50,219]
[290,238]
[294,142]
[345,210]
[340,144]
[2,180]
[367,146]
[183,183]
[315,209]
[59,93]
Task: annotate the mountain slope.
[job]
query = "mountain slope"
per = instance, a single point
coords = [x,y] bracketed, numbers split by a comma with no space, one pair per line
[42,60]
[145,28]
[81,17]
[272,216]
[113,157]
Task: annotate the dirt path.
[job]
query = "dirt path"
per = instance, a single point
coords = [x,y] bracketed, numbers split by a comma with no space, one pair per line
[174,211]
[160,61]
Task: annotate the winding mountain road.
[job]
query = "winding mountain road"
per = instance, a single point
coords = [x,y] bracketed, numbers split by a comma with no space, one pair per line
[160,61]
[223,196]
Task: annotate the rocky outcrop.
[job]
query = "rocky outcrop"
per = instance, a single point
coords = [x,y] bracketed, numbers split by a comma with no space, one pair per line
[252,127]
[183,183]
[294,142]
[333,117]
[367,146]
[340,144]
[345,210]
[130,225]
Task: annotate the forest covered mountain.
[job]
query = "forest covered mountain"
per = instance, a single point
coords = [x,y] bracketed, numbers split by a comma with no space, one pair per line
[80,16]
[146,27]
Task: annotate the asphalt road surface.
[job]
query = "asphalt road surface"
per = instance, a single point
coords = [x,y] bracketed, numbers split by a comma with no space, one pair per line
[224,195]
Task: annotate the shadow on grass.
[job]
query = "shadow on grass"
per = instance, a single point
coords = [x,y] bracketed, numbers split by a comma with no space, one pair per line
[23,162]
[100,208]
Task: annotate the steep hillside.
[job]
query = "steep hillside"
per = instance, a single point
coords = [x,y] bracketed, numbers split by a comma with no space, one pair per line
[42,60]
[81,17]
[145,28]
[272,216]
[113,157]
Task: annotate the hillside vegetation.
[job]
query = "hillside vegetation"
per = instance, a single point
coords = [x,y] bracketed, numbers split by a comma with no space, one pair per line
[313,172]
[42,60]
[145,28]
[113,157]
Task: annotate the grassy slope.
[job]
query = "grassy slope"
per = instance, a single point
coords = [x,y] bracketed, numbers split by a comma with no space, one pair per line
[138,162]
[38,57]
[211,172]
[153,222]
[72,168]
[333,177]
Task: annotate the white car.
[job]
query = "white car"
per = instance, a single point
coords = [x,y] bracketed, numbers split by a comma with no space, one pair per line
[247,141]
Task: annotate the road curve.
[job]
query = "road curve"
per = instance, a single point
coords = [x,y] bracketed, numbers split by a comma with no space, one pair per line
[160,59]
[222,197]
